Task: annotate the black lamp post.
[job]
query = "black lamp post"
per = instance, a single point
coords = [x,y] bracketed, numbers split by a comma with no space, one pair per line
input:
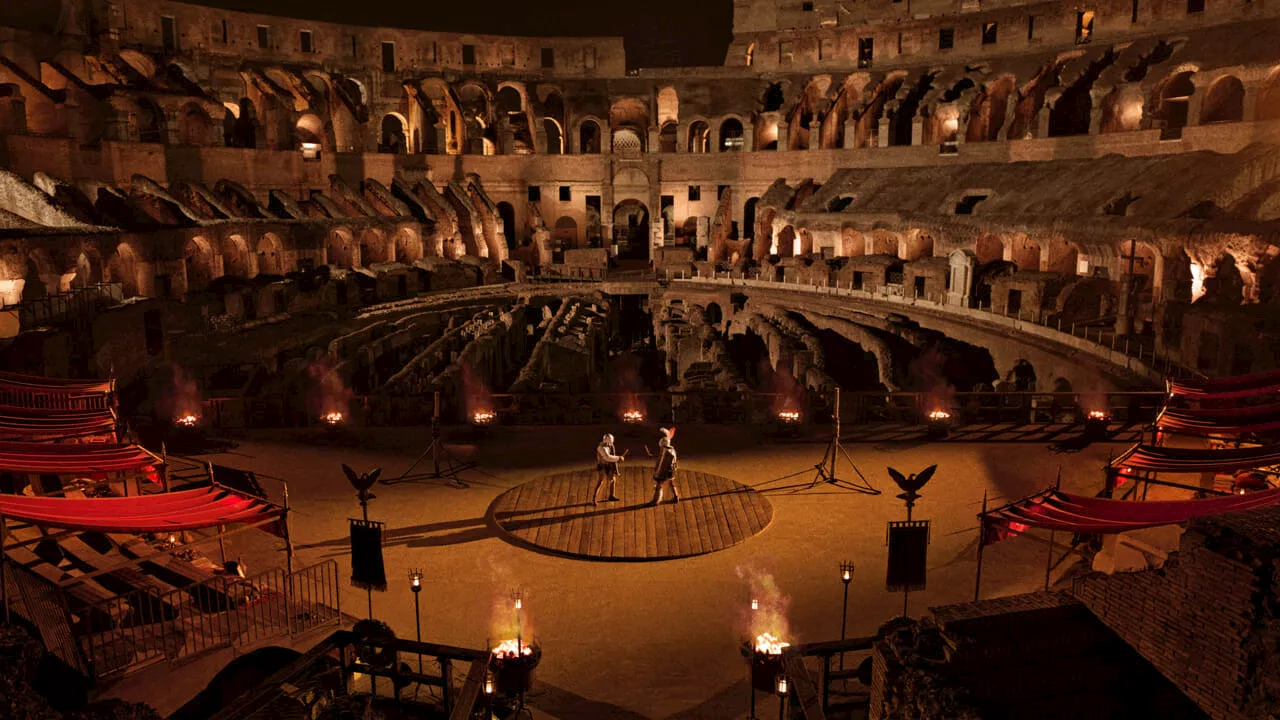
[517,596]
[780,687]
[846,577]
[415,584]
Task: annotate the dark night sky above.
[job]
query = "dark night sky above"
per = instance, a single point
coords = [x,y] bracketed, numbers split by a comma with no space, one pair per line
[659,33]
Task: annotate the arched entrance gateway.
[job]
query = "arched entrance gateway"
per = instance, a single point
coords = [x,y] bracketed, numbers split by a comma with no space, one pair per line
[631,229]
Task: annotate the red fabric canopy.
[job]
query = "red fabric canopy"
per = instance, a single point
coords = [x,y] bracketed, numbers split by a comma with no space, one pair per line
[1192,460]
[171,512]
[1056,510]
[28,425]
[44,458]
[1221,421]
[43,393]
[1227,388]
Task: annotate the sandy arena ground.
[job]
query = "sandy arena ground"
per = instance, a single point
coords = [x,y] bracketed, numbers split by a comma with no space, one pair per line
[652,639]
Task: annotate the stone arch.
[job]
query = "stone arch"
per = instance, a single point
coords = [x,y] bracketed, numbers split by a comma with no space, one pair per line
[1023,252]
[42,275]
[1148,265]
[240,127]
[235,257]
[196,126]
[788,243]
[916,245]
[1223,102]
[804,242]
[507,212]
[714,314]
[197,260]
[149,121]
[123,268]
[589,139]
[373,247]
[699,137]
[310,129]
[510,98]
[668,137]
[631,228]
[749,218]
[852,242]
[731,137]
[140,62]
[1268,107]
[1063,257]
[1174,98]
[394,137]
[566,233]
[88,268]
[271,259]
[1021,377]
[989,110]
[555,138]
[341,249]
[988,248]
[883,242]
[668,106]
[408,246]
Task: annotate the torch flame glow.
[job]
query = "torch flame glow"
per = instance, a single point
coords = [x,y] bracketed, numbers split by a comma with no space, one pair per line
[633,416]
[767,644]
[333,417]
[1097,415]
[939,415]
[509,649]
[789,416]
[188,420]
[482,417]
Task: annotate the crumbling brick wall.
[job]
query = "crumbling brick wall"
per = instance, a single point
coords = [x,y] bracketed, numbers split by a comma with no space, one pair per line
[1205,620]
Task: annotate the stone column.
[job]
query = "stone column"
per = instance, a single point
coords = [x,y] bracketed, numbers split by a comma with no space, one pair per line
[917,131]
[748,137]
[540,139]
[1252,89]
[784,134]
[1196,101]
[655,143]
[815,134]
[682,137]
[850,134]
[882,137]
[1010,115]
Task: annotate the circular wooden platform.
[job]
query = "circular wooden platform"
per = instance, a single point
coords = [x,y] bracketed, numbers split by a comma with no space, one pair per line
[554,513]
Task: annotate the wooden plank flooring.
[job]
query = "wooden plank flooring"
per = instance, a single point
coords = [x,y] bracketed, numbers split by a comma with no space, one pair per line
[555,513]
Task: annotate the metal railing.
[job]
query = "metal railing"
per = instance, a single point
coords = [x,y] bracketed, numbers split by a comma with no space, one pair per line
[58,307]
[1100,342]
[144,625]
[369,668]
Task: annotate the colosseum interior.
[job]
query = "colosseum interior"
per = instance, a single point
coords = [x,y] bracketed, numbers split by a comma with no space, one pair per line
[1031,243]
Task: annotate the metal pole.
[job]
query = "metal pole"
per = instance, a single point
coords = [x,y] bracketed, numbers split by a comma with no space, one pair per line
[4,566]
[782,707]
[1048,558]
[982,527]
[844,617]
[753,692]
[222,545]
[417,619]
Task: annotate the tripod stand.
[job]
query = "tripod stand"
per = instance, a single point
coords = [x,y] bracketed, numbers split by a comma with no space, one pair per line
[826,470]
[444,465]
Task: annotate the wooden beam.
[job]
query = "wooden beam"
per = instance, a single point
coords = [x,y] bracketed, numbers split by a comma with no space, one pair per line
[466,701]
[805,693]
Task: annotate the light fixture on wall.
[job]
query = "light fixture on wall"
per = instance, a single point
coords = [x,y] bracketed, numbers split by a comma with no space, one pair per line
[310,151]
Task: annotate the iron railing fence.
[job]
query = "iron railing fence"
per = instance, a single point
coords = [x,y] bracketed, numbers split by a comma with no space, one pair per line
[144,626]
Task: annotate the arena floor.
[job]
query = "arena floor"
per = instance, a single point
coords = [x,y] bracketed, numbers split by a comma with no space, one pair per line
[655,639]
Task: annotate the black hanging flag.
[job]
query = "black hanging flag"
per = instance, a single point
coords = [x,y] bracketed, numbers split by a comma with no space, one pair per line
[908,555]
[367,570]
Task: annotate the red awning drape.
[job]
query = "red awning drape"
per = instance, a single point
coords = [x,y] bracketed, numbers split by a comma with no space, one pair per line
[1239,386]
[1056,510]
[171,512]
[35,426]
[44,458]
[1221,421]
[41,393]
[1192,460]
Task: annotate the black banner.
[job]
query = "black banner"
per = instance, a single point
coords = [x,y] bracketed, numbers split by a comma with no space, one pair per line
[908,555]
[367,570]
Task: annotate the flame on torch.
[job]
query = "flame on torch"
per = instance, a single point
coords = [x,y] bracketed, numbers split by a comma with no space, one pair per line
[939,415]
[333,417]
[766,621]
[633,416]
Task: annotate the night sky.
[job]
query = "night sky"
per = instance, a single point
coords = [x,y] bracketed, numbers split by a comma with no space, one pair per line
[659,33]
